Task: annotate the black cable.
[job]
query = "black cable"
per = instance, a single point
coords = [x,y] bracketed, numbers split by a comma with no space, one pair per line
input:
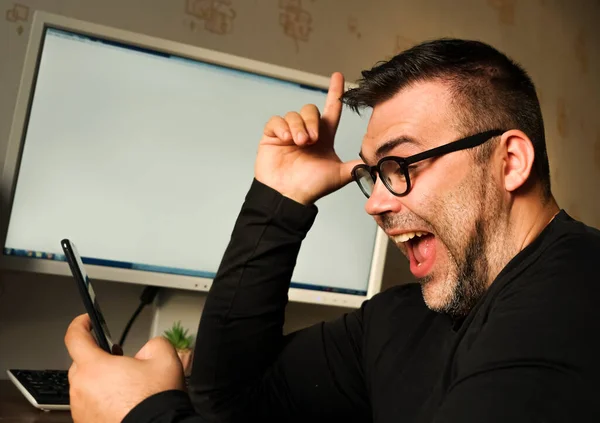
[131,320]
[146,298]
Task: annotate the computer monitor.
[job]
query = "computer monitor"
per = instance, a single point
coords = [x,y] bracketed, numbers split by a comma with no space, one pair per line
[141,150]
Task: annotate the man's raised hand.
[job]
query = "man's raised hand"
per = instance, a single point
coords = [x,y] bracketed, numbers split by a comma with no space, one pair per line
[296,154]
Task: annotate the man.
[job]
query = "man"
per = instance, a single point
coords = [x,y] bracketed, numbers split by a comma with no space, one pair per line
[500,328]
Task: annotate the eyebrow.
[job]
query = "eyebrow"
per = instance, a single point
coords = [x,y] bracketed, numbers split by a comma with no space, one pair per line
[388,146]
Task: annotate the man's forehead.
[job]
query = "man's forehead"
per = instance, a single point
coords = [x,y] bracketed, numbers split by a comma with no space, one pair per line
[418,116]
[416,100]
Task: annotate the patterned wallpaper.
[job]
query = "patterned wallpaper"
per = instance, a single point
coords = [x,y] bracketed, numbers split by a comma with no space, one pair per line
[558,42]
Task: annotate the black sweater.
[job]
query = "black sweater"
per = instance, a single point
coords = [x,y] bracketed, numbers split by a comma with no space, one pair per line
[528,352]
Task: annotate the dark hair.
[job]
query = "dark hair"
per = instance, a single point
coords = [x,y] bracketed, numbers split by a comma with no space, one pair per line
[490,91]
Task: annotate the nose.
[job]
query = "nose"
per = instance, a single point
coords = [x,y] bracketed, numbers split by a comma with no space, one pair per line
[382,200]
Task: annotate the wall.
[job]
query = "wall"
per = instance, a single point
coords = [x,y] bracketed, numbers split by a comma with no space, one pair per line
[556,40]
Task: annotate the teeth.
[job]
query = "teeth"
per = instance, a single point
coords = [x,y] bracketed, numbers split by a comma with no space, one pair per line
[407,236]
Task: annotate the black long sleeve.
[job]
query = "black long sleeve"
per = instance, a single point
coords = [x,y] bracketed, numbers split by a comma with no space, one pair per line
[246,369]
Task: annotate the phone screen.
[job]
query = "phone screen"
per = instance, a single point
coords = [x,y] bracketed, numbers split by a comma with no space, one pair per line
[100,328]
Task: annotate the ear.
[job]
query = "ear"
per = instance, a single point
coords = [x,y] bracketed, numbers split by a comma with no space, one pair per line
[518,159]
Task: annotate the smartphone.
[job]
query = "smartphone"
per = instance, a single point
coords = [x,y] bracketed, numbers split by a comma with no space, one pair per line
[100,329]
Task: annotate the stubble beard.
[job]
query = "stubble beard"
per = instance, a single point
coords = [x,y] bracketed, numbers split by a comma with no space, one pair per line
[469,267]
[466,282]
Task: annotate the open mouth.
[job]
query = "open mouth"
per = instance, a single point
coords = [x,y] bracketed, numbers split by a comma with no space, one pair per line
[420,248]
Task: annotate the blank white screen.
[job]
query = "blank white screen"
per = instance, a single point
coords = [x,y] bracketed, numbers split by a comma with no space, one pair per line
[146,159]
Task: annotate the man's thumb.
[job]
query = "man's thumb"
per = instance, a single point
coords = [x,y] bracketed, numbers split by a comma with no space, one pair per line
[156,347]
[346,170]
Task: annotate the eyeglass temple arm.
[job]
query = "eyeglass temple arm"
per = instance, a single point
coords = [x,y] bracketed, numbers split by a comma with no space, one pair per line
[468,142]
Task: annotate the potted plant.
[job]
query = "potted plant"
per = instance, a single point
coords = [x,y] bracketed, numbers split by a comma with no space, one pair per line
[182,342]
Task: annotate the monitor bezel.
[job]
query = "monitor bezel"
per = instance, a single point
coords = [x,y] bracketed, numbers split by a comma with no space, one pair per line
[42,21]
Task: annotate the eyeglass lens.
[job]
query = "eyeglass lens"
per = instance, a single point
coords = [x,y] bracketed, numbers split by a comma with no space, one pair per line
[391,173]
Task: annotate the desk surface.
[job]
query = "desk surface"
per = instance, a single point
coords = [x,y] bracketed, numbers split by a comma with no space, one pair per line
[14,408]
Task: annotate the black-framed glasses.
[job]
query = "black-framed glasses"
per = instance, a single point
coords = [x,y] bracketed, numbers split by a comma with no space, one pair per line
[394,171]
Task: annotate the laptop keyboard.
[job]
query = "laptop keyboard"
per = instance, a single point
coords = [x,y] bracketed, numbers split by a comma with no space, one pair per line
[49,387]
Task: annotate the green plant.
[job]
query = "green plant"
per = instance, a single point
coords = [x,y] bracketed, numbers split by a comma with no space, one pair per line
[178,336]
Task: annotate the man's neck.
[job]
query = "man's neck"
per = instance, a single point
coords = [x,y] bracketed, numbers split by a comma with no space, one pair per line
[527,218]
[530,218]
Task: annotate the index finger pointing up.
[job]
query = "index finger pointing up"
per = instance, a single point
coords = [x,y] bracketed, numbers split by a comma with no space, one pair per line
[333,104]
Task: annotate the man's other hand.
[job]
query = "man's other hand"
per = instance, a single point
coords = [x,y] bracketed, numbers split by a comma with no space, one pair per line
[104,387]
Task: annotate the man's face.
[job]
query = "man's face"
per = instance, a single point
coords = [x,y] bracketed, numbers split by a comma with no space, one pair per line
[450,211]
